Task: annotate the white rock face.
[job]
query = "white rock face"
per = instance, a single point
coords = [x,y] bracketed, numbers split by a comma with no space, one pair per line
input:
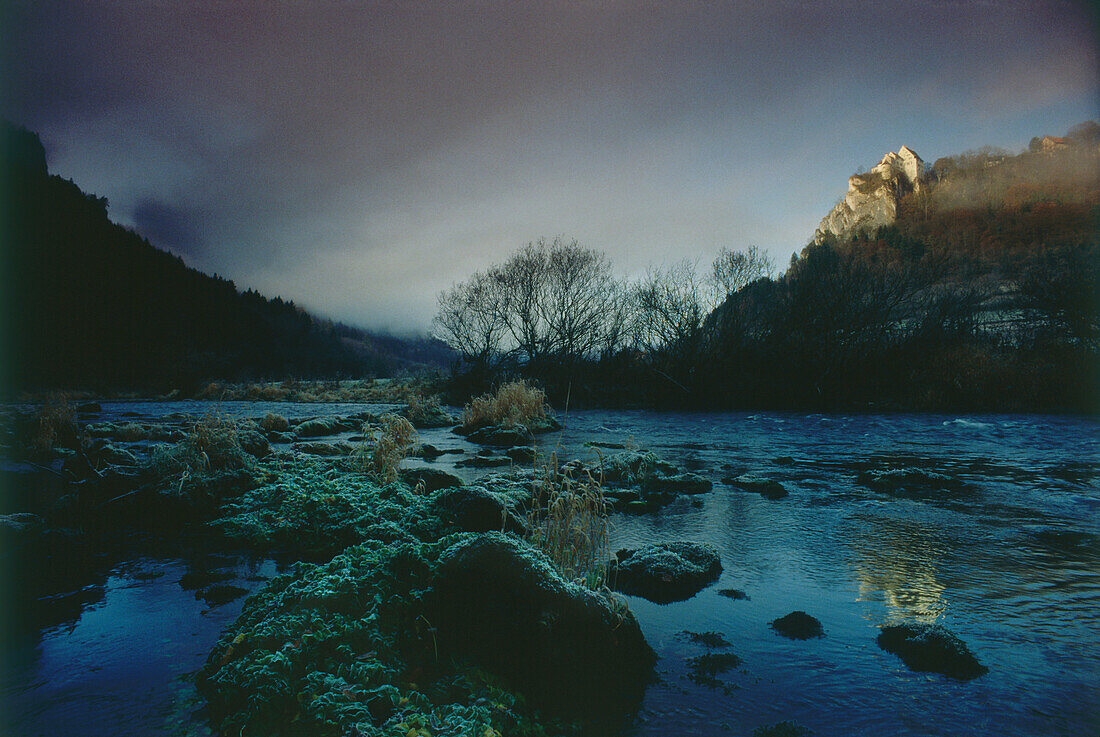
[872,198]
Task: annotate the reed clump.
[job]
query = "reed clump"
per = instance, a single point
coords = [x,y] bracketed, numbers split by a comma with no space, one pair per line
[386,445]
[568,520]
[513,404]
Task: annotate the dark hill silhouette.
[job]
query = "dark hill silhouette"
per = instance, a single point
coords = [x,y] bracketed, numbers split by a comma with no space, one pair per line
[88,303]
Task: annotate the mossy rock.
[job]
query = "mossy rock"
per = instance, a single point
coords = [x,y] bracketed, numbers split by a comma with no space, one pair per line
[432,478]
[476,509]
[500,602]
[666,572]
[931,648]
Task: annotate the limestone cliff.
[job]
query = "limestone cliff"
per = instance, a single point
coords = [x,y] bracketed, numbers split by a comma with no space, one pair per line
[872,198]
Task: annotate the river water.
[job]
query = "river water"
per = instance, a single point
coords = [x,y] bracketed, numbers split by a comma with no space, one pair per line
[1007,557]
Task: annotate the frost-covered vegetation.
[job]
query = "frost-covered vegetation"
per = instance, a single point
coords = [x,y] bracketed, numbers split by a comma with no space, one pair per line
[344,648]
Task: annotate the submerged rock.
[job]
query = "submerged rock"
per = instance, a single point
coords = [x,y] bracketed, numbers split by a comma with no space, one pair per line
[680,483]
[666,572]
[219,594]
[709,640]
[199,579]
[798,625]
[501,603]
[735,594]
[704,669]
[931,648]
[782,729]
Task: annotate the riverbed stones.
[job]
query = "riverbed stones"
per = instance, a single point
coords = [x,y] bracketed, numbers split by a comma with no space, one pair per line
[931,648]
[666,572]
[500,603]
[798,625]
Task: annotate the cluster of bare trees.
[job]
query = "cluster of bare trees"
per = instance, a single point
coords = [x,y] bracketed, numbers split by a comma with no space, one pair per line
[555,300]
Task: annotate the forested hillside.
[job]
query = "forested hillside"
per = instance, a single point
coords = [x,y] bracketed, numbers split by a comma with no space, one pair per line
[88,303]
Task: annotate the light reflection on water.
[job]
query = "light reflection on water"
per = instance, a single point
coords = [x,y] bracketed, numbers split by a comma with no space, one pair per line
[1009,561]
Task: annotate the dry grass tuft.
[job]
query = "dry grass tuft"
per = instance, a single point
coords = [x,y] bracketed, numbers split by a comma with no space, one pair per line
[513,404]
[55,424]
[422,408]
[384,447]
[568,520]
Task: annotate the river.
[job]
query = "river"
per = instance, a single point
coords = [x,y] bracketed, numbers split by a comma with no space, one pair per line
[1007,558]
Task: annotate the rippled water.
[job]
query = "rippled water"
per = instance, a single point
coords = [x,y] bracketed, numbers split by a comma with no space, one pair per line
[1008,559]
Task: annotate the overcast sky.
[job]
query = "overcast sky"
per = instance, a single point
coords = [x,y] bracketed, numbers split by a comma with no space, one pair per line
[359,157]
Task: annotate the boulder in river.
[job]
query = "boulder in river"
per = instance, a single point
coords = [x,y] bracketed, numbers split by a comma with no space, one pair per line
[666,572]
[500,602]
[798,625]
[931,648]
[765,487]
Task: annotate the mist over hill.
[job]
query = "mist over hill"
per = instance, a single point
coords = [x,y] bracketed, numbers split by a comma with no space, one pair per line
[90,304]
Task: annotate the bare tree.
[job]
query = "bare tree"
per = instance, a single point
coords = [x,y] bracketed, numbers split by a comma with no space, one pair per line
[520,283]
[552,299]
[579,300]
[732,271]
[669,306]
[469,318]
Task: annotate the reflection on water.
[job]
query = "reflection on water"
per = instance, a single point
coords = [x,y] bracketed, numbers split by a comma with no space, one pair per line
[895,561]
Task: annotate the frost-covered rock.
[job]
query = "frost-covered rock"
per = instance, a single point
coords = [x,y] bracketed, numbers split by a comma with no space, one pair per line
[501,603]
[666,572]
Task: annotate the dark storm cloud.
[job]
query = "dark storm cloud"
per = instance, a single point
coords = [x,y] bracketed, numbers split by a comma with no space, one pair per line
[357,157]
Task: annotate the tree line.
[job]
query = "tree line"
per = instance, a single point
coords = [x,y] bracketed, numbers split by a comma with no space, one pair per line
[884,320]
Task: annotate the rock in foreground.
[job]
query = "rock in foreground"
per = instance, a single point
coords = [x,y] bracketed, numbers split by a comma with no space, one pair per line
[666,572]
[931,648]
[500,603]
